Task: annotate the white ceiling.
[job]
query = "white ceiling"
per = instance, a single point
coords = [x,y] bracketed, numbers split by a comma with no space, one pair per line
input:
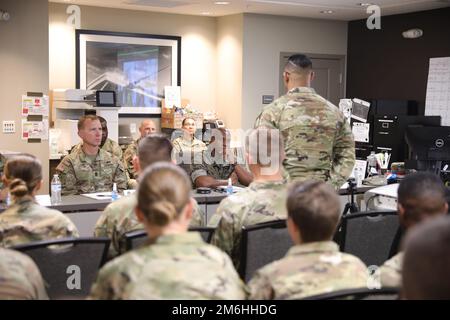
[343,9]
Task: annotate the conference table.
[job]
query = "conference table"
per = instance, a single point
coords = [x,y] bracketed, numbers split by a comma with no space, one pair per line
[84,211]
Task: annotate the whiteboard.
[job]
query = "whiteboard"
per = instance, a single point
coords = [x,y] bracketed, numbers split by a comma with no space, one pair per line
[437,101]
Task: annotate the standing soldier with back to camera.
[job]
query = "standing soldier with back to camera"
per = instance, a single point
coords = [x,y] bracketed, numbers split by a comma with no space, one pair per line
[318,141]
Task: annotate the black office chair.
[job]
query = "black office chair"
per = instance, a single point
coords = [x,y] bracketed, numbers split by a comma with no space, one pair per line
[262,244]
[372,236]
[358,294]
[135,239]
[69,266]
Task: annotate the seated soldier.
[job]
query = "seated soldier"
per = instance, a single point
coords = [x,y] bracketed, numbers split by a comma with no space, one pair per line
[147,126]
[187,147]
[106,144]
[90,169]
[264,200]
[427,261]
[219,164]
[176,264]
[421,196]
[314,265]
[24,220]
[118,217]
[20,278]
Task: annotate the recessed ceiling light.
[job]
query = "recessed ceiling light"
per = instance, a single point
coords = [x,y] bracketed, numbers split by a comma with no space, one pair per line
[364,4]
[206,13]
[327,11]
[222,2]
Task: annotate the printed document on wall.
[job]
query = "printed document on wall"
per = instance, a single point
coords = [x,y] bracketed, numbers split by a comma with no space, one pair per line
[438,90]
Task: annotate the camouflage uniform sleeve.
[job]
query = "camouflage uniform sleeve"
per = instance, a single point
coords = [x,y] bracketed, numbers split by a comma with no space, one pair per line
[128,161]
[344,155]
[67,176]
[120,177]
[268,118]
[105,227]
[109,284]
[260,287]
[117,151]
[228,219]
[198,170]
[198,216]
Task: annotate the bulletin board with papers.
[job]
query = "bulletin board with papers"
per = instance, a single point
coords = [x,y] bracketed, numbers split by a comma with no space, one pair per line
[437,101]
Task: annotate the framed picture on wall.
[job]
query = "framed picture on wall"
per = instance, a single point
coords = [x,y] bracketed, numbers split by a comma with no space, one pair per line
[136,66]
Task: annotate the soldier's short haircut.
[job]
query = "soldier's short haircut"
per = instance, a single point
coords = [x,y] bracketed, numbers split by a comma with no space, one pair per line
[164,191]
[83,119]
[421,194]
[426,261]
[299,62]
[153,148]
[265,144]
[314,207]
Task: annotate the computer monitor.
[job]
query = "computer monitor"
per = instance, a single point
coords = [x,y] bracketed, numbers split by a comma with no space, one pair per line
[428,147]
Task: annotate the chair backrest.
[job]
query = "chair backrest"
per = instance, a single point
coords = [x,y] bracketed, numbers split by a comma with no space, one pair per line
[371,236]
[69,266]
[135,239]
[262,244]
[358,294]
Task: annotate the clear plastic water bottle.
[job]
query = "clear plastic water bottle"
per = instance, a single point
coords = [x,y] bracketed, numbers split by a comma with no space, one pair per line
[229,187]
[56,189]
[372,164]
[8,199]
[114,194]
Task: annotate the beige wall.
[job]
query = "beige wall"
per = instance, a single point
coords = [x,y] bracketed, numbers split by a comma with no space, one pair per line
[23,68]
[229,69]
[198,45]
[265,37]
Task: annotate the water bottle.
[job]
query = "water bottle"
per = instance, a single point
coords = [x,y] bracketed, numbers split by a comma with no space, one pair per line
[114,194]
[8,199]
[229,187]
[56,189]
[372,164]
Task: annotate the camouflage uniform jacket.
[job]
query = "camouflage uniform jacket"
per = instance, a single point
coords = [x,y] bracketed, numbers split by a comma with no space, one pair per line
[176,266]
[208,167]
[128,156]
[187,152]
[318,141]
[109,146]
[25,221]
[391,271]
[119,218]
[79,174]
[307,270]
[260,202]
[20,278]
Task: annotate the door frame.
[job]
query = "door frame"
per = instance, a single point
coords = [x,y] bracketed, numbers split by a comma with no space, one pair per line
[342,59]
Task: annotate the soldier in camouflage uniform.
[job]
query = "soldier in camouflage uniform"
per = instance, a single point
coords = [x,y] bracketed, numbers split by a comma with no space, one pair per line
[187,149]
[318,141]
[119,217]
[20,278]
[264,200]
[107,144]
[90,169]
[147,126]
[25,221]
[421,196]
[314,265]
[176,264]
[219,164]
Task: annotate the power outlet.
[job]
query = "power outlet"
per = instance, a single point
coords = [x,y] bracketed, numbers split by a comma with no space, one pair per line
[9,127]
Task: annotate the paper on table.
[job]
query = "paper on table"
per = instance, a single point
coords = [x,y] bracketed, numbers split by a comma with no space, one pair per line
[99,195]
